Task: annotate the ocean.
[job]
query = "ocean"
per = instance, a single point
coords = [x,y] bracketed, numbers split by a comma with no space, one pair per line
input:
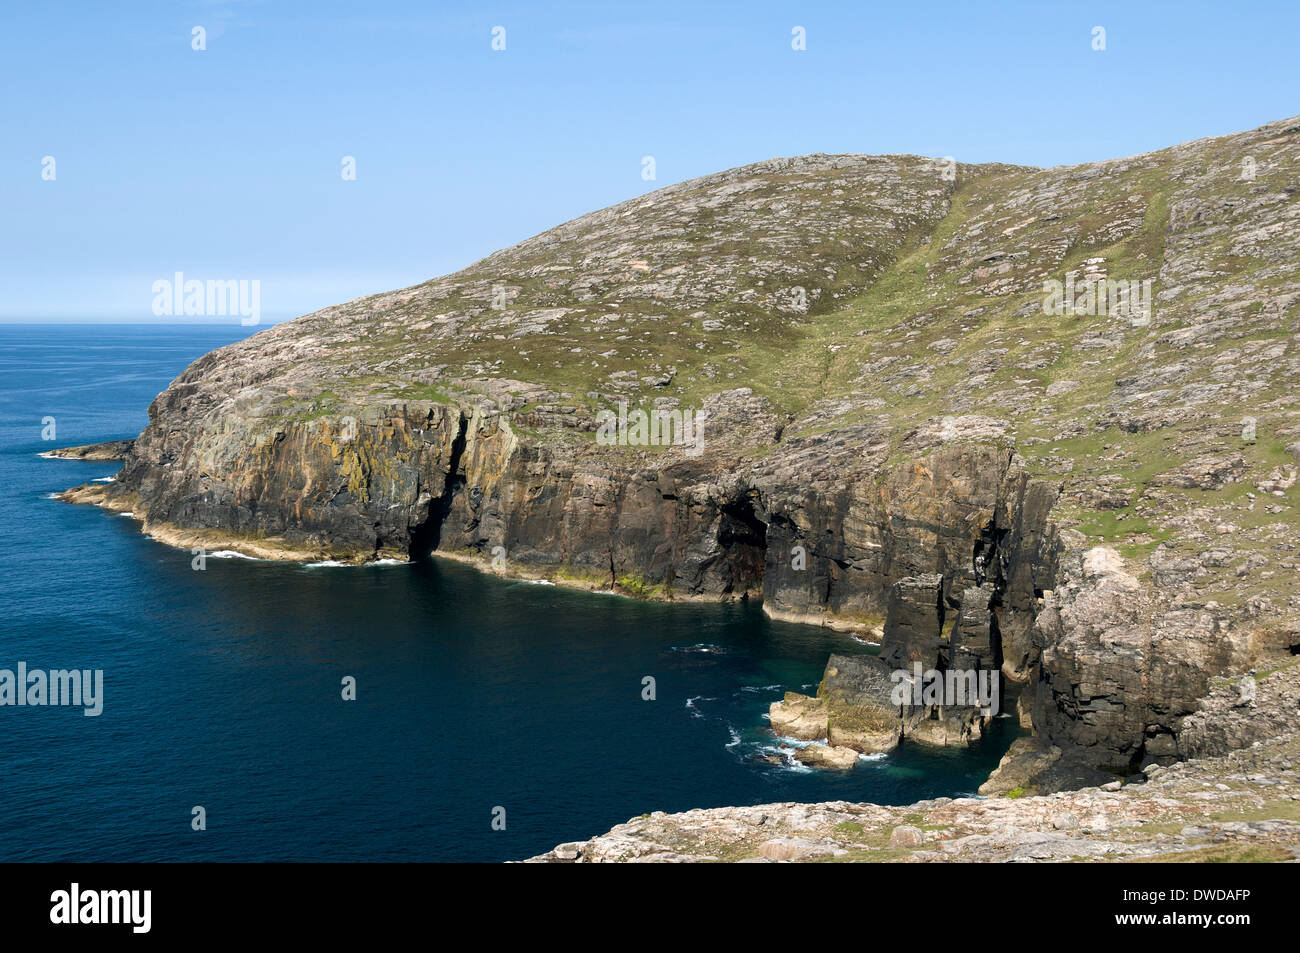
[493,719]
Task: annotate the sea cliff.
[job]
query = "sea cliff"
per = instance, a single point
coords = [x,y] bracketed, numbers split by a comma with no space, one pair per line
[902,431]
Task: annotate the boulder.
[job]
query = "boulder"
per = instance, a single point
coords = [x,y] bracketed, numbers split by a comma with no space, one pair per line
[905,836]
[827,756]
[798,848]
[799,716]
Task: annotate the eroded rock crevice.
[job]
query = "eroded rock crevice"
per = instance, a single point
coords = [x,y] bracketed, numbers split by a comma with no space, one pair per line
[426,534]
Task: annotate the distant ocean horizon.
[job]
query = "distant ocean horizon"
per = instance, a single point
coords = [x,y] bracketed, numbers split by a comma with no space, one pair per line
[167,322]
[476,697]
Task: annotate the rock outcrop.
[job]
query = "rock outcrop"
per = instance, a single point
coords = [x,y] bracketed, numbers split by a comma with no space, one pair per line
[110,450]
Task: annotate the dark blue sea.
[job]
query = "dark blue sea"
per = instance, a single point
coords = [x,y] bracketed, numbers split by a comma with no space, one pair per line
[222,687]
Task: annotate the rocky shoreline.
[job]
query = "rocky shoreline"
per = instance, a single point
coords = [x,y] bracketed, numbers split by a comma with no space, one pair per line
[900,437]
[1244,807]
[104,452]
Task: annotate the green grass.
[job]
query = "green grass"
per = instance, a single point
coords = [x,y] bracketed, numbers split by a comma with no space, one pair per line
[1222,854]
[637,587]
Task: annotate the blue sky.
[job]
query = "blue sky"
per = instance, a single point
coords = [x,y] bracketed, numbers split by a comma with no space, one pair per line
[225,163]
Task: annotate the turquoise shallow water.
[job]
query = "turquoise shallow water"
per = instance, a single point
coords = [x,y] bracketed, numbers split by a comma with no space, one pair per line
[222,687]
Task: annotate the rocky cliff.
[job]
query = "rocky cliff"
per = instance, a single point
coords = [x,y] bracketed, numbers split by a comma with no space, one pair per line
[897,427]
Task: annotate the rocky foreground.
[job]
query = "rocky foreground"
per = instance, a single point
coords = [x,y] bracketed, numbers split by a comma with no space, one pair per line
[1240,807]
[1244,807]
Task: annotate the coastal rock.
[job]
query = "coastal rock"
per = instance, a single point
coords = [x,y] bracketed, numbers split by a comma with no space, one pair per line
[975,642]
[858,697]
[914,623]
[827,756]
[1117,675]
[1236,713]
[799,716]
[1020,767]
[1240,807]
[856,691]
[1032,767]
[110,450]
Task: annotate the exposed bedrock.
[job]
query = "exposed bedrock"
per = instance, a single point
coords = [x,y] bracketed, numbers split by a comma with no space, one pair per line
[824,545]
[858,707]
[935,681]
[1119,673]
[351,487]
[951,551]
[107,451]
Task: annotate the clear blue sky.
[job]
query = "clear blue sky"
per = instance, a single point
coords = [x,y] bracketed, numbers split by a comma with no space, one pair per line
[225,163]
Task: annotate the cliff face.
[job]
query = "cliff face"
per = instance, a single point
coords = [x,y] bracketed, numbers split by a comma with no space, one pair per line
[897,435]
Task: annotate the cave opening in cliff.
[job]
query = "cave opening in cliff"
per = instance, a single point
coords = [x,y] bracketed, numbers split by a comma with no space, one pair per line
[742,536]
[427,534]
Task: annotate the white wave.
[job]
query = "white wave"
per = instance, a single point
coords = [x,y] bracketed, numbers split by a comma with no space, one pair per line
[223,553]
[693,709]
[759,688]
[789,742]
[877,756]
[735,737]
[338,564]
[788,761]
[104,480]
[126,513]
[796,767]
[52,496]
[538,582]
